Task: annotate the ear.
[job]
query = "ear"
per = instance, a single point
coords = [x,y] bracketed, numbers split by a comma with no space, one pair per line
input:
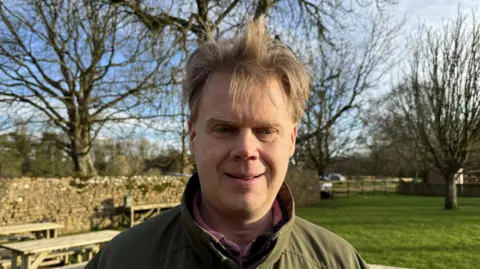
[293,137]
[191,136]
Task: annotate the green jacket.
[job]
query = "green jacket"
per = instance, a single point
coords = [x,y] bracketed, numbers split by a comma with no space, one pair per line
[173,240]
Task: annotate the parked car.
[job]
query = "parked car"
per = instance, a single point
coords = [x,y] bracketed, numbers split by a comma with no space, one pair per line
[337,177]
[333,177]
[324,177]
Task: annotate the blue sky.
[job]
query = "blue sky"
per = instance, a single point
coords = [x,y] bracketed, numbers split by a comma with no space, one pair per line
[431,11]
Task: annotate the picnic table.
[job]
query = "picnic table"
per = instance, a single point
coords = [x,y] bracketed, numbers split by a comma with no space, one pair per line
[144,211]
[48,229]
[33,253]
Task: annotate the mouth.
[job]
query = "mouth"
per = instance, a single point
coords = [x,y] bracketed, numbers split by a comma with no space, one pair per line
[243,177]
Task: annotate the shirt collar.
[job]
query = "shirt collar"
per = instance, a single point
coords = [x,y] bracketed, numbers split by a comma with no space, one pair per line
[207,245]
[277,218]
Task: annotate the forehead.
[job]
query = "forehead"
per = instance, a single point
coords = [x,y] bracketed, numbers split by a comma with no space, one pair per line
[244,102]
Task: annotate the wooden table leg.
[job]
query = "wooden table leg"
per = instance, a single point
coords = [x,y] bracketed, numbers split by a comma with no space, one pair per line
[125,217]
[79,257]
[26,262]
[14,260]
[145,215]
[66,259]
[132,217]
[90,254]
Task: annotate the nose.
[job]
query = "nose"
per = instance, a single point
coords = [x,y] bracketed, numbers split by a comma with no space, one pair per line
[245,146]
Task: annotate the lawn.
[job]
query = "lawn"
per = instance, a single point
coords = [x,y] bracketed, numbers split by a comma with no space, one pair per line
[405,231]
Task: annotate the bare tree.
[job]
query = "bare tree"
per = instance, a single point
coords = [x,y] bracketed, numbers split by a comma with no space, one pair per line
[206,19]
[342,75]
[195,22]
[388,146]
[438,101]
[79,65]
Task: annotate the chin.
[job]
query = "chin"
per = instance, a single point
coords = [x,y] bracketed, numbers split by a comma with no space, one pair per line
[245,204]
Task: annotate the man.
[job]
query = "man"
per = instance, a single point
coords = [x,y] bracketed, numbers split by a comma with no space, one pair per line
[246,97]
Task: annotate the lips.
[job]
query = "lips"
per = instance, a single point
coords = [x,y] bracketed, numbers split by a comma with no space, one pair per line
[244,176]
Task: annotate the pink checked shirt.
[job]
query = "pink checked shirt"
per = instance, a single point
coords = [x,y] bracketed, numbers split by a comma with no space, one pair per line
[277,217]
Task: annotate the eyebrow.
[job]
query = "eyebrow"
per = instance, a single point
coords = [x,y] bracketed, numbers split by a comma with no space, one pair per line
[215,121]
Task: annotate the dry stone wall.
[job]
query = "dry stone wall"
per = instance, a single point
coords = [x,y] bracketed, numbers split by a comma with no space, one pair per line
[83,205]
[304,187]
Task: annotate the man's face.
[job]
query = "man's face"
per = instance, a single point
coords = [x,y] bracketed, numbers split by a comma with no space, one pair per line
[242,155]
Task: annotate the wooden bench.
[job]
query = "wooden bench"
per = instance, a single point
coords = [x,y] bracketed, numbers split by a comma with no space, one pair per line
[5,256]
[45,229]
[145,211]
[12,238]
[53,258]
[33,253]
[4,253]
[74,266]
[5,263]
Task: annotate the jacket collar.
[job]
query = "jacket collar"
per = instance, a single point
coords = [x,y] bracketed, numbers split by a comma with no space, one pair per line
[210,250]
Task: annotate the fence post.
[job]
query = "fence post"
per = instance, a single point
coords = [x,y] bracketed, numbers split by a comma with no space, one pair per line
[333,191]
[361,187]
[348,190]
[374,185]
[385,187]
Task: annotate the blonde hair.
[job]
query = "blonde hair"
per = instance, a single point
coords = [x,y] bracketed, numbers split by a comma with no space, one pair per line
[251,59]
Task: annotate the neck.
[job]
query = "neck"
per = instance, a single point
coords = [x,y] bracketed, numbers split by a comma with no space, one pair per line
[239,229]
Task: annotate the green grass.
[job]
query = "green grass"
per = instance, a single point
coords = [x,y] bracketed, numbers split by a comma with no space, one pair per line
[405,231]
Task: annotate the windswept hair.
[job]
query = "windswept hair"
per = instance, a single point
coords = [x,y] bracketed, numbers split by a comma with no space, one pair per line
[251,59]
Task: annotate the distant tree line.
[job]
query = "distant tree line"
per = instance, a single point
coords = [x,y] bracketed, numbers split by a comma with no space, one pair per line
[23,153]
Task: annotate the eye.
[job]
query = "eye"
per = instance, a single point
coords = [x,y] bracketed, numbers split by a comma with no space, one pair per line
[222,129]
[267,134]
[266,131]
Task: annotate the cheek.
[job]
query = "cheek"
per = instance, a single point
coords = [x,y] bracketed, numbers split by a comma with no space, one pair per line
[275,156]
[210,150]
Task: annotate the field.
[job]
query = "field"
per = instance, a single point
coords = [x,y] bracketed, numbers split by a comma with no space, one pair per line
[404,231]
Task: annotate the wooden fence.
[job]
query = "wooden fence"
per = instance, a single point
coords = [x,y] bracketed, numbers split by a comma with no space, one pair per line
[463,190]
[375,187]
[384,187]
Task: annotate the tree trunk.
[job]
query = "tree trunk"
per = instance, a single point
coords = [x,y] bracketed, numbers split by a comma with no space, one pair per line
[82,160]
[86,166]
[450,191]
[321,170]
